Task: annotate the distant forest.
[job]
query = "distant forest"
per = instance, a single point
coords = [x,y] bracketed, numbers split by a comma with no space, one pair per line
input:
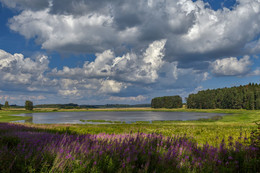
[76,106]
[241,97]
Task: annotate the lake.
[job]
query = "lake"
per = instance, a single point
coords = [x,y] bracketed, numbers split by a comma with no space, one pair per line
[127,117]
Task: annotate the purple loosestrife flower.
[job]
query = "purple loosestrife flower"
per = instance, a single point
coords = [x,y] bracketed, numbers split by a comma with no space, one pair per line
[200,164]
[230,144]
[128,159]
[68,156]
[230,158]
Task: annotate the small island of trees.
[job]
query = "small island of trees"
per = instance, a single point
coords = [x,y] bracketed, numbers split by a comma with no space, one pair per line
[167,102]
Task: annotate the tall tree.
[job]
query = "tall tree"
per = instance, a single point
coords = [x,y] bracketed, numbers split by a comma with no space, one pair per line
[28,105]
[6,104]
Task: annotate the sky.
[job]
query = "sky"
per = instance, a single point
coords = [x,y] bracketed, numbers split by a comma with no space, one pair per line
[125,52]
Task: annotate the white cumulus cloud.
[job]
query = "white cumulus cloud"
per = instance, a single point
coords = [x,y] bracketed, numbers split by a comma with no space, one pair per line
[192,28]
[138,98]
[17,69]
[231,66]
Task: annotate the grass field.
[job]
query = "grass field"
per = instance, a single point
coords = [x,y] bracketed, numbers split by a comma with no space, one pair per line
[172,146]
[237,122]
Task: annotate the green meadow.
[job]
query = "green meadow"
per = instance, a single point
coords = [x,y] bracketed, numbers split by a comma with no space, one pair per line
[219,144]
[237,123]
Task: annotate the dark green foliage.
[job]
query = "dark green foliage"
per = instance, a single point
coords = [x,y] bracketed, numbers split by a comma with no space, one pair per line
[241,97]
[167,102]
[9,141]
[6,104]
[28,105]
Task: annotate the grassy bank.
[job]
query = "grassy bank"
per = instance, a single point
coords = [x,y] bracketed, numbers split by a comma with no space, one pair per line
[8,115]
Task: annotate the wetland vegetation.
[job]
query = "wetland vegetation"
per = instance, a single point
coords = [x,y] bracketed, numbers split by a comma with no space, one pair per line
[206,145]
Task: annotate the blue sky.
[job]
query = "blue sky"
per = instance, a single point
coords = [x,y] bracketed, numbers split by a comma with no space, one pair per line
[90,52]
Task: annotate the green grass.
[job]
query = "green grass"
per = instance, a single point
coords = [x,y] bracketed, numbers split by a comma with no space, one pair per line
[103,121]
[8,115]
[202,132]
[236,123]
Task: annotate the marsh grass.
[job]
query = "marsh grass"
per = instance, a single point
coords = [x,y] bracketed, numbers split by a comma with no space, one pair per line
[203,132]
[18,153]
[235,123]
[31,149]
[8,115]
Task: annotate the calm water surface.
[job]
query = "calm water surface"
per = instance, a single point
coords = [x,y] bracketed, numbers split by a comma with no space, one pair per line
[128,117]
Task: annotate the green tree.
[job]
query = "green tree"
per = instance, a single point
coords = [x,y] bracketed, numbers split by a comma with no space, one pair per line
[28,105]
[6,104]
[167,102]
[251,101]
[241,97]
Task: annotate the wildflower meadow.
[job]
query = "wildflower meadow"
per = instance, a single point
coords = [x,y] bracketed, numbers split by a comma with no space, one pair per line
[28,149]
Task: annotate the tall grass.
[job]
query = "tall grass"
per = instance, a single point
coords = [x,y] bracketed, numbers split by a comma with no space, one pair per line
[27,149]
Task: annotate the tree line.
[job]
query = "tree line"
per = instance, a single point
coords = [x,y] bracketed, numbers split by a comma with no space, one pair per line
[28,105]
[238,97]
[72,106]
[167,102]
[76,106]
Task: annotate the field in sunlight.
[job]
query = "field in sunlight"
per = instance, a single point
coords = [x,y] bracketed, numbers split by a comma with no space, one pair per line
[29,149]
[207,145]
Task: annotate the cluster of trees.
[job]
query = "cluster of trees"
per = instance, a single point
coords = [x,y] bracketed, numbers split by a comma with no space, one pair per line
[6,105]
[28,105]
[241,97]
[167,102]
